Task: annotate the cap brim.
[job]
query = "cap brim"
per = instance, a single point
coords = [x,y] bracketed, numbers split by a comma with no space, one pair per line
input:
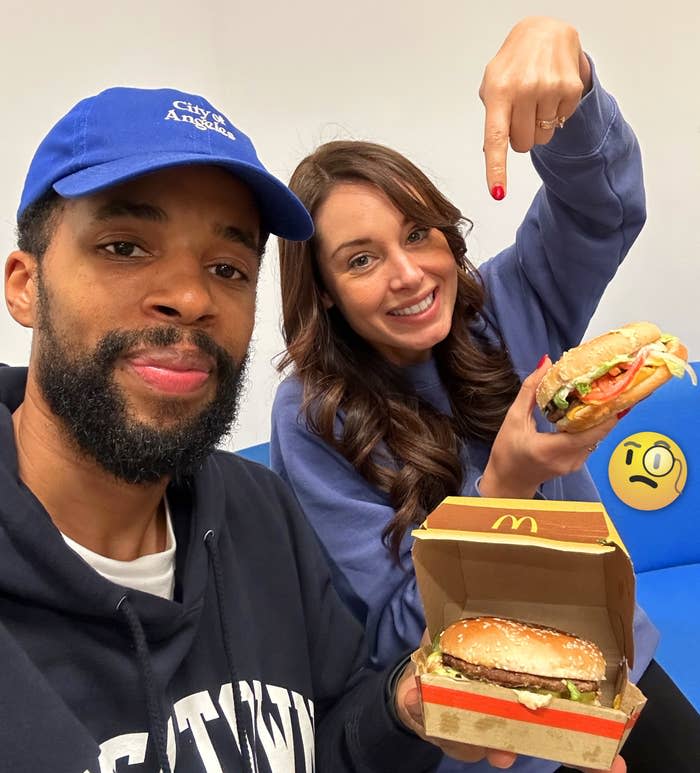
[281,211]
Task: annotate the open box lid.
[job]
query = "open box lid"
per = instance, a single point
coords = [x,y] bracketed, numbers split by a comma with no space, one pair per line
[560,564]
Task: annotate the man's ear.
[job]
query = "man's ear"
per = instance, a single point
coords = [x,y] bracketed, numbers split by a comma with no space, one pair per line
[20,287]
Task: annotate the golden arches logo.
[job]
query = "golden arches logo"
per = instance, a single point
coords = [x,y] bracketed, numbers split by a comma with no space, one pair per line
[516,523]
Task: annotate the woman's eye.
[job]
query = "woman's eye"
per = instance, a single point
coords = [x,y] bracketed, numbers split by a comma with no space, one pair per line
[418,234]
[227,271]
[360,261]
[125,249]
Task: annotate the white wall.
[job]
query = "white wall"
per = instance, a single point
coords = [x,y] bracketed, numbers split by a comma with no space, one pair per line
[404,73]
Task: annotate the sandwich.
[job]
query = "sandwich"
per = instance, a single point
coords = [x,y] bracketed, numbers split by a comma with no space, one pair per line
[539,663]
[604,376]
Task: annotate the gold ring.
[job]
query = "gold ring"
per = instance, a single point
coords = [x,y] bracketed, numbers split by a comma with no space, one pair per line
[552,123]
[592,448]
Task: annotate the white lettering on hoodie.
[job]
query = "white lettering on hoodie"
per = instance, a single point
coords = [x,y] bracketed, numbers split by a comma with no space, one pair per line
[270,741]
[194,711]
[132,747]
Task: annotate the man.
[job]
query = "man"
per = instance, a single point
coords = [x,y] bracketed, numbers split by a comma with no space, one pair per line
[163,605]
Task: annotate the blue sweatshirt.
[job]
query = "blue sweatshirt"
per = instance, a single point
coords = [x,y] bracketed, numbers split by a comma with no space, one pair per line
[541,294]
[256,644]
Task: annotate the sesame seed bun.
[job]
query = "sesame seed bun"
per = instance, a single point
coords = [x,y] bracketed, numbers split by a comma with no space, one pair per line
[513,646]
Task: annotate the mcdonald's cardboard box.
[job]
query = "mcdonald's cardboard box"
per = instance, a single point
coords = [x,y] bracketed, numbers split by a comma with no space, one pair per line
[559,564]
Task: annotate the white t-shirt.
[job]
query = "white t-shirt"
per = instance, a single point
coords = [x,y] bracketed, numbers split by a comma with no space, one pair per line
[154,573]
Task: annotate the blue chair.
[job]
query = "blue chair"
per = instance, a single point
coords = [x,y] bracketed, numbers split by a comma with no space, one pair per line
[665,543]
[259,453]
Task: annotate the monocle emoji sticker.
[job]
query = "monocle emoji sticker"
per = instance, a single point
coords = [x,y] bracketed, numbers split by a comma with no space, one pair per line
[647,471]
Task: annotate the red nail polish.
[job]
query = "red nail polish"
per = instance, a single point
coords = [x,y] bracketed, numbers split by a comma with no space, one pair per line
[497,192]
[541,362]
[623,413]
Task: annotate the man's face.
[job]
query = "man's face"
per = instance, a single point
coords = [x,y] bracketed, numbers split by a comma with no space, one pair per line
[145,308]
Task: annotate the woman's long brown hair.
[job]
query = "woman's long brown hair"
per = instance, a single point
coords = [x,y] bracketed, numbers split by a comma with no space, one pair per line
[394,439]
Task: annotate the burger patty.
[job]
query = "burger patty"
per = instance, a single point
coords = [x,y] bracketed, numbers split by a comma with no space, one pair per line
[553,412]
[514,678]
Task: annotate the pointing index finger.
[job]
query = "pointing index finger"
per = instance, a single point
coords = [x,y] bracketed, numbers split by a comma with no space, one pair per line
[496,137]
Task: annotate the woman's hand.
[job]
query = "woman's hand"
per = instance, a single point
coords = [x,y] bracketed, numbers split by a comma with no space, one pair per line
[539,74]
[522,458]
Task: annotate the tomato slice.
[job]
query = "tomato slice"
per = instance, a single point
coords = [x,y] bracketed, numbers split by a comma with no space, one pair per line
[607,386]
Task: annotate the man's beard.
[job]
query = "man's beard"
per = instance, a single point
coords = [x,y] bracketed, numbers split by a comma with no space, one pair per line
[81,390]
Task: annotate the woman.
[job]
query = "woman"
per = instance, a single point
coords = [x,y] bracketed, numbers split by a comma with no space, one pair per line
[411,369]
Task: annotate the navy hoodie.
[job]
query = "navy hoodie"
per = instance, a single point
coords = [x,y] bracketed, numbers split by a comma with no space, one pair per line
[256,645]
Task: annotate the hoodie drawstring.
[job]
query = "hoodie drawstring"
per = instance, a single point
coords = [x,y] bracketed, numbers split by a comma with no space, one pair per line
[213,552]
[155,715]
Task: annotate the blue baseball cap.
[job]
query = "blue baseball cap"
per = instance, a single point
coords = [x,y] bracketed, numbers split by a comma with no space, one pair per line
[123,133]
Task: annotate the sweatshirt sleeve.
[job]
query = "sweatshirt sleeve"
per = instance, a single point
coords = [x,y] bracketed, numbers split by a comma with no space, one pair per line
[355,730]
[348,515]
[543,290]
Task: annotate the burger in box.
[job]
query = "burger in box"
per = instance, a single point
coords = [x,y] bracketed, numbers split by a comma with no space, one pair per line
[530,607]
[537,661]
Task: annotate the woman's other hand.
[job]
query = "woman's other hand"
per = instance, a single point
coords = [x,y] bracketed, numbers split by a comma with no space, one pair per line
[522,458]
[538,75]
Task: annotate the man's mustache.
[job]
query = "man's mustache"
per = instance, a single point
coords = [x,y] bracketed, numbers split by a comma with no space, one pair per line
[120,343]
